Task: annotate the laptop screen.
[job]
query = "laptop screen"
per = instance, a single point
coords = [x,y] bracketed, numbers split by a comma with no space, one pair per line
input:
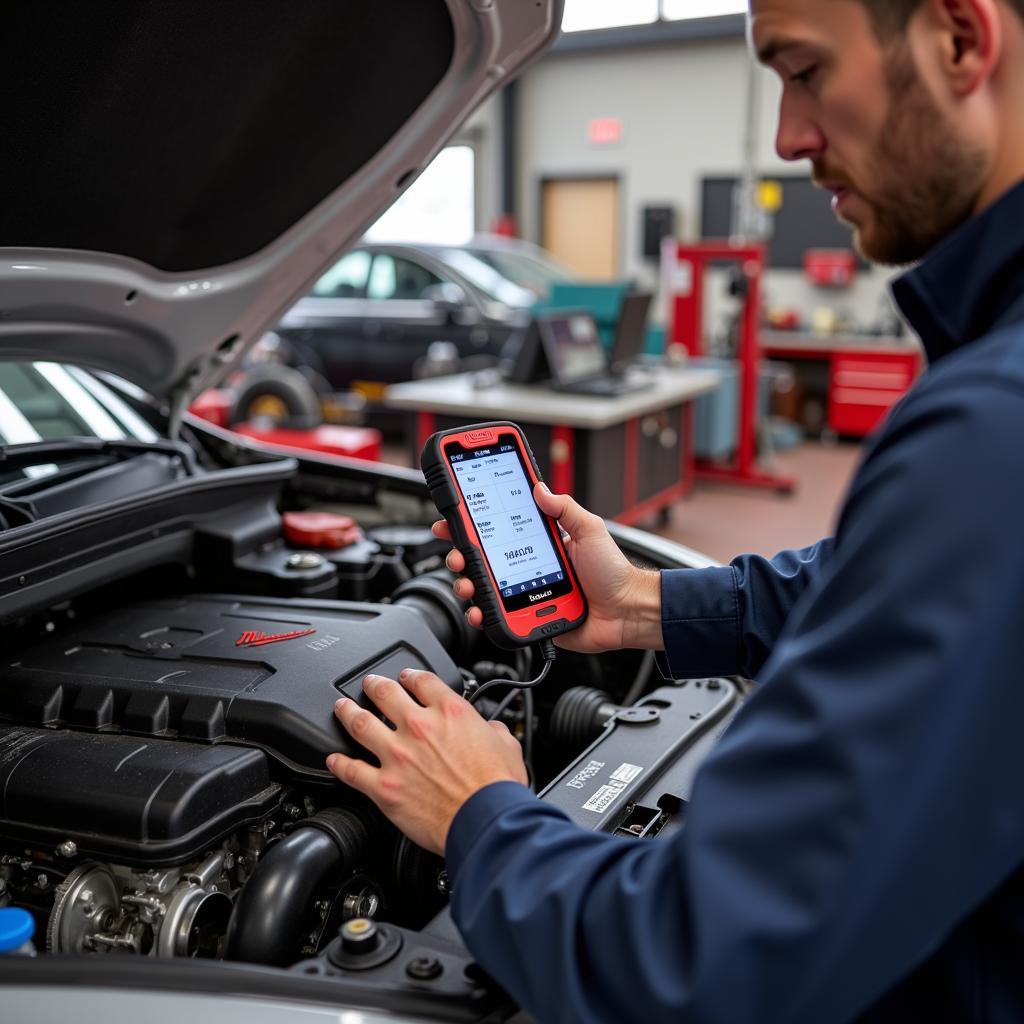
[573,346]
[631,333]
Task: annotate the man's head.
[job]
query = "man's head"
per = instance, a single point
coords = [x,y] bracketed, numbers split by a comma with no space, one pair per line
[907,109]
[891,17]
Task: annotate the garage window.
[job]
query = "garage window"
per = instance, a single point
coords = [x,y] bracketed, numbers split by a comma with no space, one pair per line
[440,206]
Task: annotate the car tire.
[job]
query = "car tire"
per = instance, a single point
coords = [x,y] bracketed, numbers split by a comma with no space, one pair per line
[317,381]
[278,393]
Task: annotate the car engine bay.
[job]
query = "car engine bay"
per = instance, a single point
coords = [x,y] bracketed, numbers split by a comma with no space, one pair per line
[171,663]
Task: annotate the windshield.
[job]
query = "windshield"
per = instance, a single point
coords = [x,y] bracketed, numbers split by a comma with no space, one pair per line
[48,401]
[533,272]
[488,279]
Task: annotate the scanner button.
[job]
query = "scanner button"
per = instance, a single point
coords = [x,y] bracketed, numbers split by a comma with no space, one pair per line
[543,613]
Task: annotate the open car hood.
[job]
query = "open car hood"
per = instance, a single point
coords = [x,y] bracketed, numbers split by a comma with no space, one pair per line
[176,175]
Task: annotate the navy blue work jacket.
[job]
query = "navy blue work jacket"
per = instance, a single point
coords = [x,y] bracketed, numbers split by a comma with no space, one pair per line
[854,846]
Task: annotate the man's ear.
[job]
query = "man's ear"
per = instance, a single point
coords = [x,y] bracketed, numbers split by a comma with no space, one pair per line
[970,39]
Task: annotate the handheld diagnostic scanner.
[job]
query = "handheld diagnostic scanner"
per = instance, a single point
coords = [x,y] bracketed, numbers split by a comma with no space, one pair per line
[481,478]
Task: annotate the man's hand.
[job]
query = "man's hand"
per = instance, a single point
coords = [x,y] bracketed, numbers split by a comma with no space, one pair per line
[624,601]
[438,755]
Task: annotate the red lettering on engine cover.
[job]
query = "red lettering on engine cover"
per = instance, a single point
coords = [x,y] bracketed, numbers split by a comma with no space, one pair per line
[255,638]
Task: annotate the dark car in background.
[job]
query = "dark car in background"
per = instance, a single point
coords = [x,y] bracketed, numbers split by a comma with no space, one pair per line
[386,313]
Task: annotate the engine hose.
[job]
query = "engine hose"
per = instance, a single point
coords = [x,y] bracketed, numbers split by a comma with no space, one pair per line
[271,915]
[444,613]
[579,716]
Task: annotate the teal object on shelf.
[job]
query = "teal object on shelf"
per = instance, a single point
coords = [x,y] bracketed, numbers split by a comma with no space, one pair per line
[655,341]
[602,301]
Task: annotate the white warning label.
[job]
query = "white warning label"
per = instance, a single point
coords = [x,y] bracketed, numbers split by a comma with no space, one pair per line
[604,797]
[626,772]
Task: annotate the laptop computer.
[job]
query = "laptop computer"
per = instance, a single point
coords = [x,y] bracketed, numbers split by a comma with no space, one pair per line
[577,359]
[630,332]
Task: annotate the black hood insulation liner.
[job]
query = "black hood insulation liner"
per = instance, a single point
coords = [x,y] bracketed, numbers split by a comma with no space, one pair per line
[189,135]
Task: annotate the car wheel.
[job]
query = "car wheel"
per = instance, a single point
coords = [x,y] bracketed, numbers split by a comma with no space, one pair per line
[277,393]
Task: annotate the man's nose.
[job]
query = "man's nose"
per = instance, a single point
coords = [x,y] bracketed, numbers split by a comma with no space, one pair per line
[798,137]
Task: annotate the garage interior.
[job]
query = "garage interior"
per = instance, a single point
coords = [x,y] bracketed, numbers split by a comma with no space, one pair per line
[284,285]
[631,131]
[635,158]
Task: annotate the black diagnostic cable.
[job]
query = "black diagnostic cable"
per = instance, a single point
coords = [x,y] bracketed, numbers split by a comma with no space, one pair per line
[548,652]
[525,690]
[503,706]
[528,736]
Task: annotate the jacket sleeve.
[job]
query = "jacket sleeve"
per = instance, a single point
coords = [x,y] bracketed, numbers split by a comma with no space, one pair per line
[724,622]
[863,803]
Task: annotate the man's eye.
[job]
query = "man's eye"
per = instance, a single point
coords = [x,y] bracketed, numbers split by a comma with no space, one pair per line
[806,76]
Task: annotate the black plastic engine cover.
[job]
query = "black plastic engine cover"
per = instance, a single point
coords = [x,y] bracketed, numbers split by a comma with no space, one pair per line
[136,800]
[215,669]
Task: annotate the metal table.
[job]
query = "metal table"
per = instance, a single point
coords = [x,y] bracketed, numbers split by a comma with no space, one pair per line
[626,458]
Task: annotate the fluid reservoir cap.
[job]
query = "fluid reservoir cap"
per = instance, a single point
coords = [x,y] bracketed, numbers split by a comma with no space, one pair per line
[320,530]
[359,935]
[363,944]
[417,542]
[16,928]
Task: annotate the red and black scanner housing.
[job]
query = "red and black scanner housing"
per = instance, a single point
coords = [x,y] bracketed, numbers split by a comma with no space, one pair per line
[507,623]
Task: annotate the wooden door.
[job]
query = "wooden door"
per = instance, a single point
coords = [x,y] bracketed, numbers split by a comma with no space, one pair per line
[581,225]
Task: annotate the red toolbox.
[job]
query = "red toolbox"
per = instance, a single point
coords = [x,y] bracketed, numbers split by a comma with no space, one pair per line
[864,387]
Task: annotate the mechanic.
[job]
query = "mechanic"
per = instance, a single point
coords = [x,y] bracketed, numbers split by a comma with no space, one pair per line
[854,845]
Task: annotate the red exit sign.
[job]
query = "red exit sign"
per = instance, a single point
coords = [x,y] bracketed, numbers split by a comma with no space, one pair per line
[604,131]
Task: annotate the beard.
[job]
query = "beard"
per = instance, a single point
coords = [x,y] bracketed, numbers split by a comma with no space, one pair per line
[924,181]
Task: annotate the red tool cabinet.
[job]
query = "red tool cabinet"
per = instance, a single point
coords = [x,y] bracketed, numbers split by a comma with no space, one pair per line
[866,378]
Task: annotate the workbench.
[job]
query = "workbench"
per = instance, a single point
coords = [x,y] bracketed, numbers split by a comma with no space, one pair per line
[626,458]
[866,375]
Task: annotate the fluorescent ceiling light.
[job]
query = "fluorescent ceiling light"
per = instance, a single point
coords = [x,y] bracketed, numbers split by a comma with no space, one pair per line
[590,14]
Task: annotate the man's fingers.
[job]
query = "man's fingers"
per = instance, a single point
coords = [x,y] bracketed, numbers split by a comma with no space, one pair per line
[475,617]
[426,687]
[572,517]
[357,774]
[455,562]
[364,727]
[390,697]
[464,588]
[506,735]
[440,529]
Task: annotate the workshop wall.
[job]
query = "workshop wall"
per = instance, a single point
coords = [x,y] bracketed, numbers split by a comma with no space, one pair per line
[682,111]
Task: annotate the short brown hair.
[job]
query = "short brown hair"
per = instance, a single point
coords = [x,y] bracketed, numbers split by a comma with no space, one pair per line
[891,16]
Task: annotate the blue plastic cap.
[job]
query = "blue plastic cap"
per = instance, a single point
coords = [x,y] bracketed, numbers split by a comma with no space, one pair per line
[16,928]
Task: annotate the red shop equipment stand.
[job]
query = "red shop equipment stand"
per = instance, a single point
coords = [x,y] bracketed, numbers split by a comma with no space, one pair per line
[685,268]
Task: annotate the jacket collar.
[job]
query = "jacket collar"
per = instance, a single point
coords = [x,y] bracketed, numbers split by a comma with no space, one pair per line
[971,282]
